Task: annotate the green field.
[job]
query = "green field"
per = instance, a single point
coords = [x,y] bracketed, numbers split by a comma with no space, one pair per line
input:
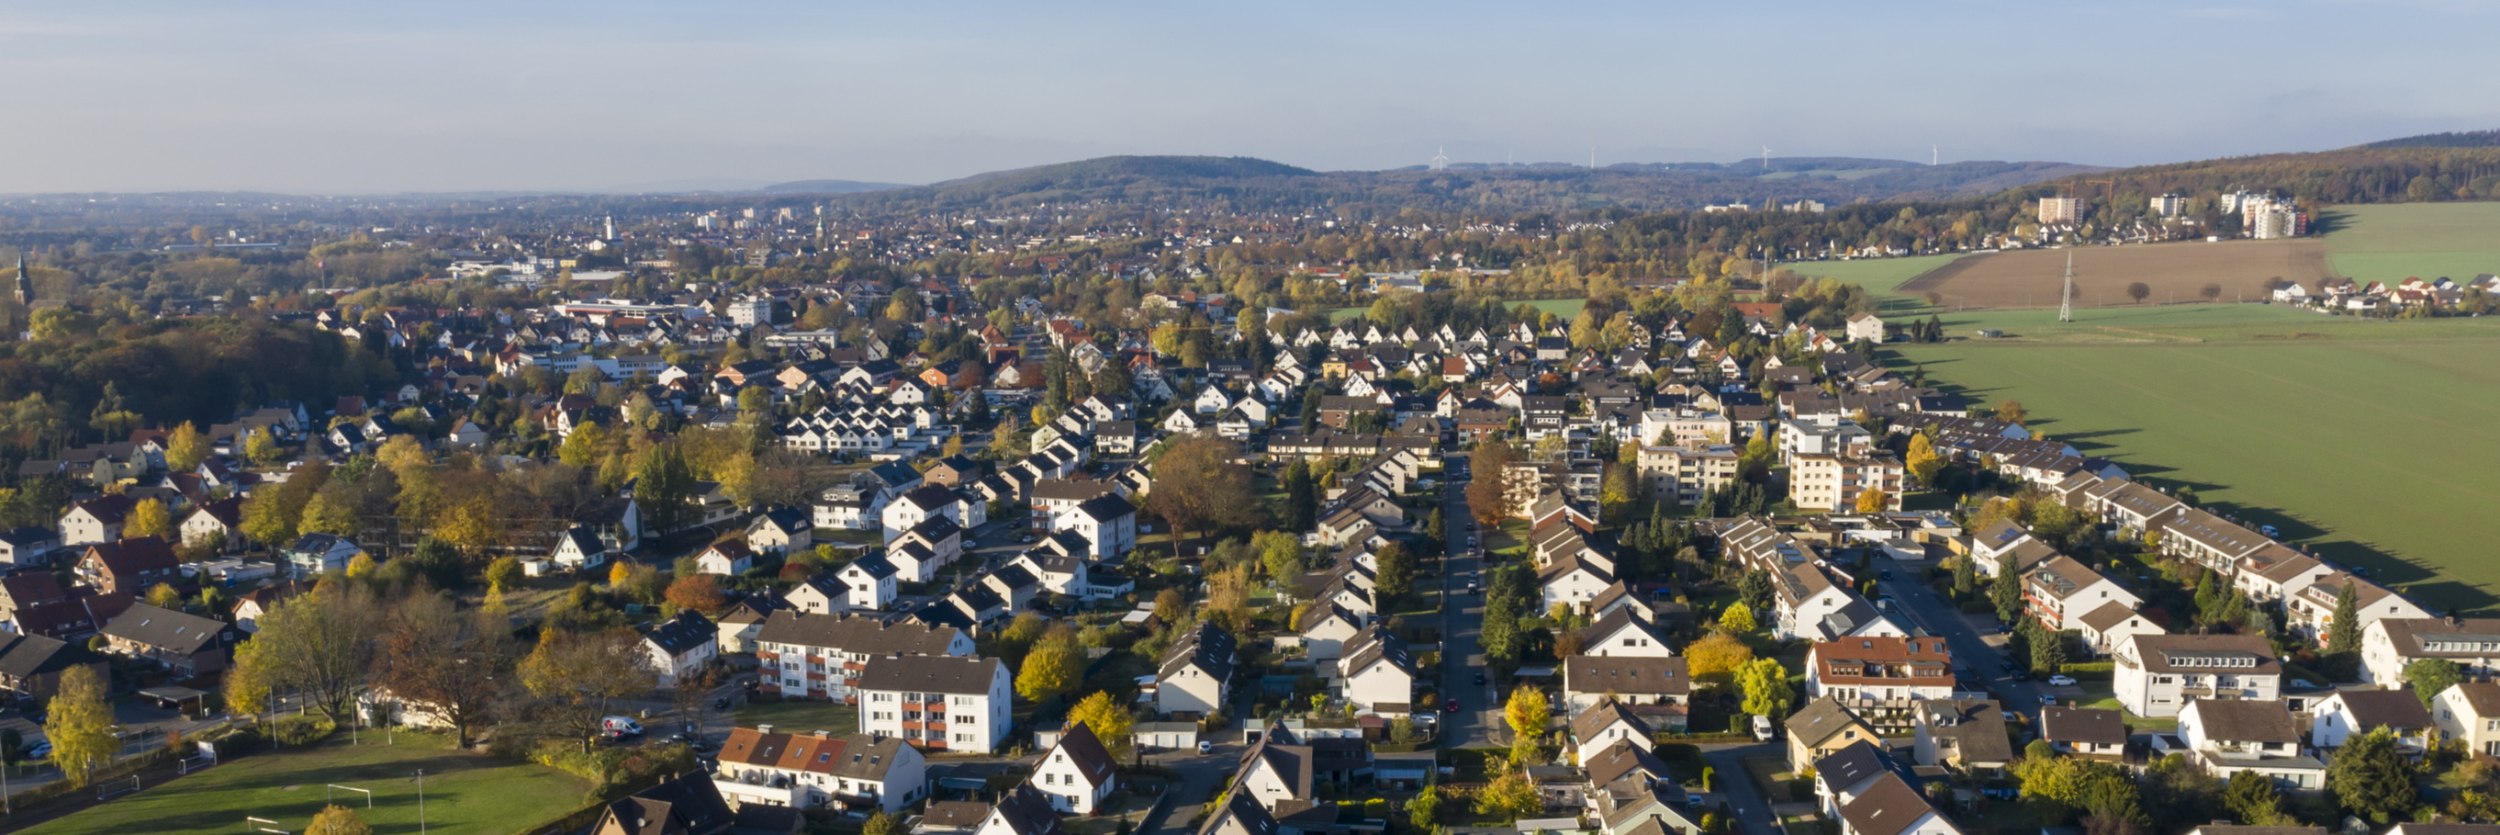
[2428,240]
[2367,448]
[2361,439]
[463,792]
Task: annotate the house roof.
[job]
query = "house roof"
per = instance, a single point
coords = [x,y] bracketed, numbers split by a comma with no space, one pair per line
[1622,674]
[2482,696]
[177,632]
[130,557]
[1885,660]
[856,634]
[686,803]
[2442,637]
[2242,654]
[2394,709]
[1857,763]
[1619,759]
[1820,719]
[1026,811]
[681,634]
[2088,725]
[930,673]
[2246,720]
[2108,616]
[1085,751]
[1889,807]
[1208,647]
[26,656]
[1596,720]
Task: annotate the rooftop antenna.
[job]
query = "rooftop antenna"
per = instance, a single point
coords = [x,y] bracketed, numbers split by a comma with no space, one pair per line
[2066,299]
[1440,159]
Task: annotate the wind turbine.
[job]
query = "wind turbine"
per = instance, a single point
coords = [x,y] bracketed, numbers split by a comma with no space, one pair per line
[1440,159]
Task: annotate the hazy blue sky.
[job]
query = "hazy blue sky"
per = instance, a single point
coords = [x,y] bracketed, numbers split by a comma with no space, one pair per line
[371,96]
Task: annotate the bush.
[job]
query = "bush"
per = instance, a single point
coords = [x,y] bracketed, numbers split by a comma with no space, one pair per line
[293,731]
[608,768]
[2089,669]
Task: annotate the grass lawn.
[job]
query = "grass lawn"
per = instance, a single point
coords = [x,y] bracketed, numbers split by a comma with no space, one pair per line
[463,792]
[1772,775]
[801,716]
[2395,242]
[1881,275]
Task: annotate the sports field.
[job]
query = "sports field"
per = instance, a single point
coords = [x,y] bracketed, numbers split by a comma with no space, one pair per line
[463,792]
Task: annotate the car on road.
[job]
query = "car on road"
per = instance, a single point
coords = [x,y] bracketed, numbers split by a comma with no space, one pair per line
[2269,531]
[1450,706]
[2061,680]
[1479,677]
[2049,699]
[1206,746]
[1762,728]
[39,750]
[1885,574]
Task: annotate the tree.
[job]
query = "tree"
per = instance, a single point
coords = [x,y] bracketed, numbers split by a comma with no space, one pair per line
[2343,634]
[1280,555]
[1755,590]
[185,448]
[1110,722]
[1424,809]
[262,448]
[1736,619]
[1228,598]
[880,824]
[148,518]
[80,726]
[1527,712]
[1922,460]
[1488,485]
[2210,292]
[2138,291]
[2012,411]
[1301,497]
[320,645]
[577,676]
[337,820]
[503,574]
[1873,500]
[1170,609]
[1765,684]
[699,592]
[458,664]
[2430,677]
[1198,486]
[1397,571]
[1053,668]
[2371,777]
[1509,797]
[164,596]
[2006,590]
[2253,798]
[1965,575]
[1716,656]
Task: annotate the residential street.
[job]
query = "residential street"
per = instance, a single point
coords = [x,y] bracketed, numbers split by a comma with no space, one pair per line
[1935,615]
[1735,787]
[1462,620]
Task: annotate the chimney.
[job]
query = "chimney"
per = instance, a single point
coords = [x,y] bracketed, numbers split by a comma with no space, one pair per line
[763,729]
[823,734]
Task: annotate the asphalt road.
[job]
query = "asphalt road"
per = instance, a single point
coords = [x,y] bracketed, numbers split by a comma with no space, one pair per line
[1933,614]
[1462,620]
[1734,785]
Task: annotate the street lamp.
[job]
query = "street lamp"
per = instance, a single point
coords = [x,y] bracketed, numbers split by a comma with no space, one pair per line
[420,801]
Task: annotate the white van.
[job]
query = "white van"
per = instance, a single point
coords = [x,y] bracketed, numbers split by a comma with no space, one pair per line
[620,727]
[1762,728]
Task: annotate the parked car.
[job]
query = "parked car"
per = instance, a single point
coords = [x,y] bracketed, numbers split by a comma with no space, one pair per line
[39,750]
[1450,706]
[1480,677]
[2269,531]
[1206,746]
[620,727]
[2061,680]
[2048,699]
[1762,728]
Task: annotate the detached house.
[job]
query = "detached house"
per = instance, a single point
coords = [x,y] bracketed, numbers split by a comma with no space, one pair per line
[95,520]
[1196,672]
[728,557]
[2158,674]
[869,582]
[679,647]
[1077,775]
[2469,713]
[1376,675]
[2388,645]
[1660,689]
[2059,592]
[129,566]
[185,644]
[2226,737]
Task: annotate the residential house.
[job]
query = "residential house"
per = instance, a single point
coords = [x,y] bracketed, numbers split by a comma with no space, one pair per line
[2311,611]
[1196,671]
[939,703]
[1881,679]
[214,522]
[315,554]
[1967,735]
[1840,778]
[2344,713]
[2388,645]
[185,644]
[129,566]
[1892,807]
[2226,737]
[1606,724]
[2157,675]
[1077,775]
[689,804]
[869,582]
[1821,729]
[728,558]
[821,656]
[2096,733]
[1623,632]
[852,772]
[2060,591]
[781,530]
[2469,713]
[31,665]
[1660,689]
[1376,675]
[95,520]
[679,647]
[1107,523]
[579,549]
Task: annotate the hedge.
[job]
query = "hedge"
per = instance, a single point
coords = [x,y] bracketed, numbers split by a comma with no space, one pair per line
[2100,669]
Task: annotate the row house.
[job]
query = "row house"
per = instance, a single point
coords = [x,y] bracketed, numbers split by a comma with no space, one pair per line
[853,772]
[2388,645]
[2310,612]
[2060,592]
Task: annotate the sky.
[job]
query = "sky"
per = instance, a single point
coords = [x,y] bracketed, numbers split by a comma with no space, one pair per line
[377,97]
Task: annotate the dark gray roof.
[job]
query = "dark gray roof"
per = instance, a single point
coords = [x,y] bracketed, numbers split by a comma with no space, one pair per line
[1621,674]
[930,673]
[2091,725]
[178,632]
[850,633]
[1208,647]
[2238,720]
[680,634]
[1026,811]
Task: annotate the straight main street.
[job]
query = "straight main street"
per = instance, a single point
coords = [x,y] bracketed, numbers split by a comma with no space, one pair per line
[1462,619]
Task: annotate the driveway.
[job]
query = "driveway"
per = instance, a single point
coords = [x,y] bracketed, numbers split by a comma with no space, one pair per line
[1734,785]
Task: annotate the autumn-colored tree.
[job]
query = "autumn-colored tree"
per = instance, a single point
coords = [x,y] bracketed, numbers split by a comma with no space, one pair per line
[262,449]
[1228,598]
[337,820]
[1527,712]
[320,645]
[2012,411]
[578,676]
[185,448]
[1922,461]
[1199,486]
[79,724]
[1169,607]
[1488,485]
[149,517]
[1765,685]
[1736,619]
[699,592]
[1873,500]
[502,574]
[164,596]
[458,663]
[1716,656]
[1109,720]
[1054,666]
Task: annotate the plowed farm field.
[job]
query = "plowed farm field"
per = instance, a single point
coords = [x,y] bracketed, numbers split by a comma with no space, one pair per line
[2171,273]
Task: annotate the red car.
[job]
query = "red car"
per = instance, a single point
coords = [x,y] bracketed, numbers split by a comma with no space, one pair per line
[1450,706]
